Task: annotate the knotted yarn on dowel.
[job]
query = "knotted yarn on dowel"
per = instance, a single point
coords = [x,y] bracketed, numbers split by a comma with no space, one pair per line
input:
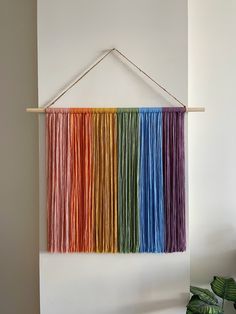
[115,180]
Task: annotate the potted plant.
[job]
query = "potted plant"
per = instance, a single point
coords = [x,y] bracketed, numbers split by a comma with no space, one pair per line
[203,301]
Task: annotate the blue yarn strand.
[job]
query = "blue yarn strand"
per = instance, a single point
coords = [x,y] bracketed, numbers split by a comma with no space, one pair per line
[151,181]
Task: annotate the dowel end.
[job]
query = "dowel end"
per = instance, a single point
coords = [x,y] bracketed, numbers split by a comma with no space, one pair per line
[35,110]
[195,109]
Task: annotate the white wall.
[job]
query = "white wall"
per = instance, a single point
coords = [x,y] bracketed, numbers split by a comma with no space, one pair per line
[71,35]
[212,144]
[212,76]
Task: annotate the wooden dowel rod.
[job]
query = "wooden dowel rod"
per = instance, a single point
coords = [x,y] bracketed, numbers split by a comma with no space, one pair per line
[189,109]
[35,110]
[195,109]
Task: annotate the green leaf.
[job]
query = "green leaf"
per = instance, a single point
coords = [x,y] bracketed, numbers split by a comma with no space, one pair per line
[204,295]
[224,288]
[197,306]
[189,312]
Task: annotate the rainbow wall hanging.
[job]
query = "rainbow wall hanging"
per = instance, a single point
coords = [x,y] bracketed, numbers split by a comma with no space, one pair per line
[115,180]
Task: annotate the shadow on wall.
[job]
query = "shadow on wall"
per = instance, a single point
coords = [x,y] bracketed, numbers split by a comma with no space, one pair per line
[214,264]
[154,306]
[220,260]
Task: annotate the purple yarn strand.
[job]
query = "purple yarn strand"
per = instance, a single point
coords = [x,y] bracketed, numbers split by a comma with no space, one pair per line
[174,179]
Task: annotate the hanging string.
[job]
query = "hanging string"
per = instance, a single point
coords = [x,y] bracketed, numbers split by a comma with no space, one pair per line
[99,61]
[148,76]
